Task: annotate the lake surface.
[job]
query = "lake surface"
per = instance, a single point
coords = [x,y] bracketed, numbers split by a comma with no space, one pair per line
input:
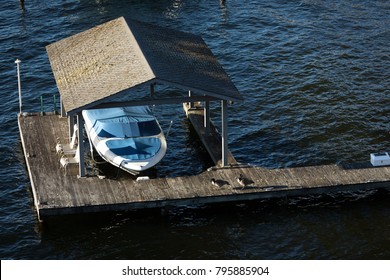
[315,76]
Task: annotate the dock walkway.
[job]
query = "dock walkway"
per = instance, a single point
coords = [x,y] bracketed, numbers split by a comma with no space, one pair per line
[57,192]
[211,140]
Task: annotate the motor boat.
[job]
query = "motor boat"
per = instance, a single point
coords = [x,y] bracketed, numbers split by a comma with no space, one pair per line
[128,137]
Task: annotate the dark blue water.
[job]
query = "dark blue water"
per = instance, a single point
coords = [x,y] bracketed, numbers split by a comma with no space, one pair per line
[316,80]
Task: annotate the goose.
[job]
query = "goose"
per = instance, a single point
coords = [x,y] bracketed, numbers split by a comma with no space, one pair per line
[219,183]
[244,182]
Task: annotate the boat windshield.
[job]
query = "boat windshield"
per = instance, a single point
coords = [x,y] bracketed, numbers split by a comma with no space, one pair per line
[127,127]
[123,122]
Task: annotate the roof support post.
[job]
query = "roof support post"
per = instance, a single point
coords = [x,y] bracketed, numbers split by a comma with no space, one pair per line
[152,90]
[206,117]
[191,104]
[224,134]
[80,150]
[62,109]
[71,125]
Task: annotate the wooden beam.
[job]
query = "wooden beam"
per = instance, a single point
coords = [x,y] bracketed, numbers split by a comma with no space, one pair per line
[161,101]
[199,91]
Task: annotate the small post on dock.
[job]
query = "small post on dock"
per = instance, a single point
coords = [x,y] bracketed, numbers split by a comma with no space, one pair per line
[17,61]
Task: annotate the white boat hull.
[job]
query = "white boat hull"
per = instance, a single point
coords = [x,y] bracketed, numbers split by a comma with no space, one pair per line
[124,140]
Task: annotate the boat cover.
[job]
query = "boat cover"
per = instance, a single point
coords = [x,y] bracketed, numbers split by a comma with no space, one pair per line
[123,122]
[135,148]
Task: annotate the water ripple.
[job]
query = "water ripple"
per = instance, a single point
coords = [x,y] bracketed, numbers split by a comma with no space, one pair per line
[315,78]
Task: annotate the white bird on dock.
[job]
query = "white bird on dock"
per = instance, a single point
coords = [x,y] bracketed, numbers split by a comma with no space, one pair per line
[219,183]
[244,182]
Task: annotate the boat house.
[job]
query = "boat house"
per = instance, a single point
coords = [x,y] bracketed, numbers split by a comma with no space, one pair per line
[94,68]
[108,66]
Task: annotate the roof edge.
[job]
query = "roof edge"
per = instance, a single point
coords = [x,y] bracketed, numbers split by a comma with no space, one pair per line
[105,100]
[201,91]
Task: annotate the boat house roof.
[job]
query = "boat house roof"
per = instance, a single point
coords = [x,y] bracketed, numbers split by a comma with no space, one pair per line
[98,65]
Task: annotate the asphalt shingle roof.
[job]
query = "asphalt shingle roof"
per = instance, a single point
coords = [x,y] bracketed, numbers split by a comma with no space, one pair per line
[97,65]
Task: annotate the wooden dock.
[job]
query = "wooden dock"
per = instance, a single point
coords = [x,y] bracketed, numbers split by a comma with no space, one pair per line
[211,139]
[57,192]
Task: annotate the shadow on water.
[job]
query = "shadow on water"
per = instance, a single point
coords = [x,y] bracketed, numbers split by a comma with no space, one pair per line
[264,229]
[22,7]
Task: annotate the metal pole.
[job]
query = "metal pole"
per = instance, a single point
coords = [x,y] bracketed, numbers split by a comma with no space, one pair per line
[17,61]
[224,134]
[169,129]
